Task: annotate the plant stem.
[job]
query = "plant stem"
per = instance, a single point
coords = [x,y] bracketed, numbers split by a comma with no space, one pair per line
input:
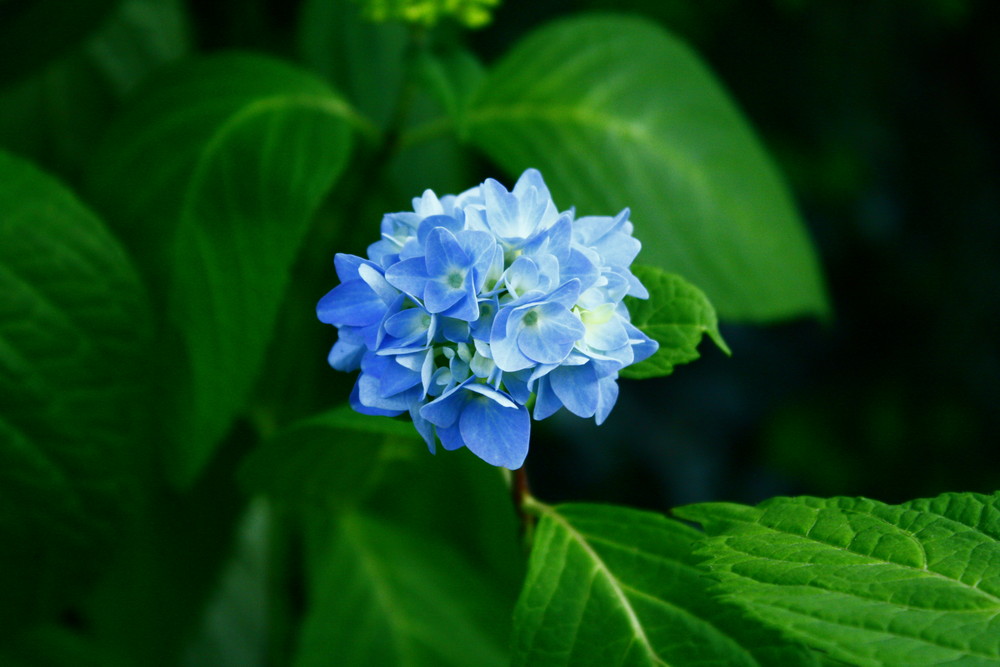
[520,493]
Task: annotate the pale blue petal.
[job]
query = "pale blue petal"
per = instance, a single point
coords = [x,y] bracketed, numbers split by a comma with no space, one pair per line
[607,335]
[643,346]
[424,427]
[521,276]
[607,396]
[566,294]
[447,222]
[503,341]
[539,348]
[493,394]
[408,323]
[408,275]
[439,296]
[498,435]
[444,254]
[546,401]
[374,278]
[345,356]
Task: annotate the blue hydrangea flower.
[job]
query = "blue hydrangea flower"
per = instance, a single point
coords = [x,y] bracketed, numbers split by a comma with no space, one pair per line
[473,307]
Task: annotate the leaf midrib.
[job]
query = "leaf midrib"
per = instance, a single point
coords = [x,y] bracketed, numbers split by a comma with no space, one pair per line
[616,586]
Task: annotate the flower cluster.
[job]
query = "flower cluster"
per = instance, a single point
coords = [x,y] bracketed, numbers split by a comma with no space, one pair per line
[474,304]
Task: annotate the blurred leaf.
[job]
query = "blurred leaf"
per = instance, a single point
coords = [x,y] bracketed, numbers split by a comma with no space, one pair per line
[451,78]
[455,498]
[385,595]
[35,32]
[676,315]
[616,586]
[868,583]
[150,601]
[361,58]
[74,329]
[213,174]
[328,460]
[55,116]
[55,646]
[615,112]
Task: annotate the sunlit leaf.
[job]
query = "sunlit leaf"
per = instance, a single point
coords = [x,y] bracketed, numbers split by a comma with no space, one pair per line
[615,586]
[869,583]
[676,315]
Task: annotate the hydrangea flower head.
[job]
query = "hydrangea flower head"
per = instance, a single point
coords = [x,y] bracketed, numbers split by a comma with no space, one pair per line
[474,305]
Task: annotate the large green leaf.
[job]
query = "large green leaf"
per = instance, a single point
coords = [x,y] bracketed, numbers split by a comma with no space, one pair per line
[869,583]
[615,586]
[56,116]
[331,459]
[383,595]
[74,330]
[213,175]
[366,60]
[676,315]
[615,112]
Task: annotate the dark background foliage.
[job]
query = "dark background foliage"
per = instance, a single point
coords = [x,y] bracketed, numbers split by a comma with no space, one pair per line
[883,118]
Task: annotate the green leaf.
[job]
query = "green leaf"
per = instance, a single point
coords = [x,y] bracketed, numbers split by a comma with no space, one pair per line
[34,32]
[213,175]
[675,315]
[56,116]
[617,113]
[869,583]
[331,459]
[74,332]
[615,586]
[364,59]
[386,596]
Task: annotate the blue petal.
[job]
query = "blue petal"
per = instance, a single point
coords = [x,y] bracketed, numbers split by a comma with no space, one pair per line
[439,296]
[424,427]
[577,388]
[445,409]
[521,276]
[408,323]
[433,222]
[358,406]
[546,401]
[503,341]
[456,331]
[408,275]
[497,434]
[502,211]
[606,398]
[444,254]
[346,356]
[451,437]
[643,346]
[350,304]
